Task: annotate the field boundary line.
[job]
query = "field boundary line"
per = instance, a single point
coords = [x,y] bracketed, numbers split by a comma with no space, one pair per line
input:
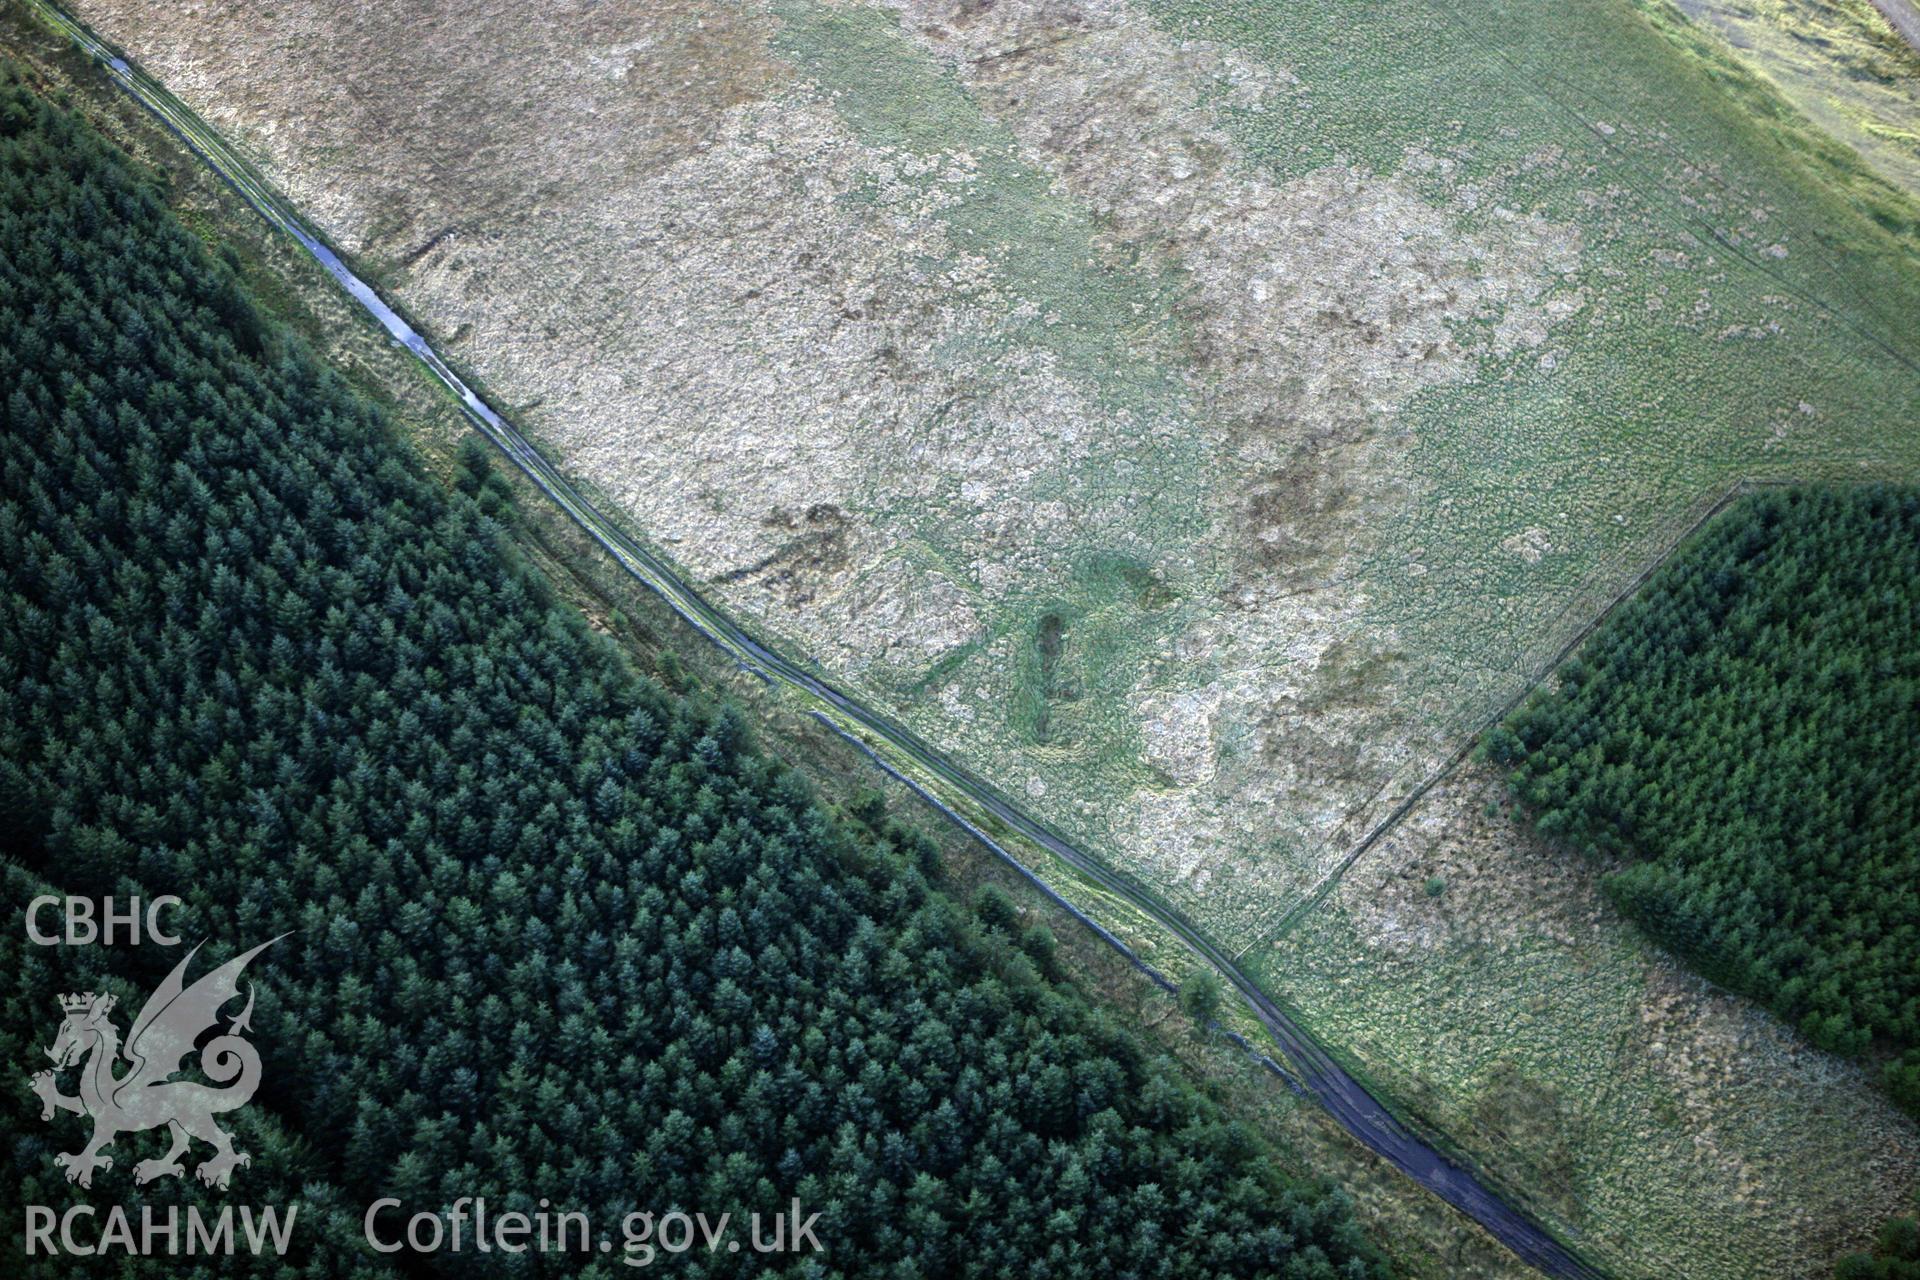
[1327,883]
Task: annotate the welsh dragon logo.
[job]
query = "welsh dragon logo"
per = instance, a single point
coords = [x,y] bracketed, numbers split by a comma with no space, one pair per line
[145,1096]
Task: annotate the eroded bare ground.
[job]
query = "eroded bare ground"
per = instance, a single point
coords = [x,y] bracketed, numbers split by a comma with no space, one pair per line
[996,290]
[1190,425]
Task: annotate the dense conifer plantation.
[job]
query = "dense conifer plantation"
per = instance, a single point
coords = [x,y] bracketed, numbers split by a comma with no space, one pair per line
[1745,733]
[1895,1254]
[554,931]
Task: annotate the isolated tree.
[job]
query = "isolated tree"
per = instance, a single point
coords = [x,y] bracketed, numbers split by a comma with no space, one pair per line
[1200,993]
